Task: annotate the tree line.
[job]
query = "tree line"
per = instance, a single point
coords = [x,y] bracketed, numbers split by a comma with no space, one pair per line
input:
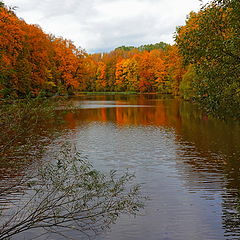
[203,64]
[34,63]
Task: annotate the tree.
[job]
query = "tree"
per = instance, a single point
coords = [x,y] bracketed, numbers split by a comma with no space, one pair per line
[67,194]
[146,47]
[127,77]
[210,41]
[101,81]
[159,69]
[150,47]
[89,77]
[125,48]
[146,73]
[119,76]
[152,71]
[11,39]
[175,68]
[67,65]
[187,85]
[131,71]
[33,63]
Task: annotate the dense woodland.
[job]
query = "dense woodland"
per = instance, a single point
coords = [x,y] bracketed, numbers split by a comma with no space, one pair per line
[203,65]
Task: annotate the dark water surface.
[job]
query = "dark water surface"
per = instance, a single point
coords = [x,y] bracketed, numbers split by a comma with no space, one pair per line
[187,162]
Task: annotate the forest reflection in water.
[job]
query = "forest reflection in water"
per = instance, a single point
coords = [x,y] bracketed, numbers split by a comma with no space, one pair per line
[187,161]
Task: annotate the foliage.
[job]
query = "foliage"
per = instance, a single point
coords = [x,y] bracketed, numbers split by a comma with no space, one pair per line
[127,75]
[210,41]
[175,68]
[157,70]
[187,86]
[101,82]
[67,194]
[33,63]
[147,47]
[125,48]
[150,47]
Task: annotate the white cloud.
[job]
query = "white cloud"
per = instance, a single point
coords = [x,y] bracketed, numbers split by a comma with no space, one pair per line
[102,25]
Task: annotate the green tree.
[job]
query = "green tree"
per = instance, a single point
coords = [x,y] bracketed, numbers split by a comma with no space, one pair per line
[146,47]
[210,41]
[187,85]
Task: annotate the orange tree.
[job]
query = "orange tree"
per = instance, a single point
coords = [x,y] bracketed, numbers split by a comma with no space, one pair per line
[175,68]
[33,63]
[11,39]
[68,61]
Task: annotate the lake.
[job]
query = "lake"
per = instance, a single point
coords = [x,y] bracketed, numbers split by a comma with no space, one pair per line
[187,162]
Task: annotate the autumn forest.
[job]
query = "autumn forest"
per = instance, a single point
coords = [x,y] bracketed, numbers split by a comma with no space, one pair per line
[203,65]
[89,140]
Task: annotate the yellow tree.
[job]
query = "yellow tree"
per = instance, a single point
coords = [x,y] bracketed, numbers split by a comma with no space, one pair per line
[90,73]
[127,78]
[131,72]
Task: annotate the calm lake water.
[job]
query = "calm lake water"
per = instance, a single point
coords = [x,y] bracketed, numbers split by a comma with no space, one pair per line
[188,163]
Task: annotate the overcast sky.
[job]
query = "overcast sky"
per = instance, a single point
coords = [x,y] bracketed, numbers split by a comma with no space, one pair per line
[102,25]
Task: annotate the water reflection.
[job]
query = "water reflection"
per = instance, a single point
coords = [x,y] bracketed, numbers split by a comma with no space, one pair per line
[206,155]
[188,162]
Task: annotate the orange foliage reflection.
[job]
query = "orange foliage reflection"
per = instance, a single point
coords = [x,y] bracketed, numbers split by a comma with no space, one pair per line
[135,111]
